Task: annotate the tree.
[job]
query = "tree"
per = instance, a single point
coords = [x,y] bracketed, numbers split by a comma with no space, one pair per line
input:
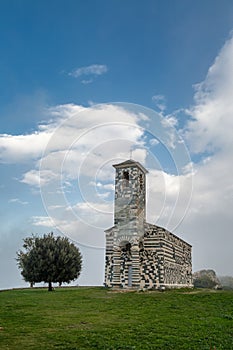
[49,259]
[206,279]
[204,282]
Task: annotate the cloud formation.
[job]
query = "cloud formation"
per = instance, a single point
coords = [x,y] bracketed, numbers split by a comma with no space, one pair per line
[18,201]
[22,148]
[211,126]
[209,134]
[71,163]
[90,72]
[160,102]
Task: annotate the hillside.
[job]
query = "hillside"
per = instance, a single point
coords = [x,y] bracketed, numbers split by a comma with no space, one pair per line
[95,318]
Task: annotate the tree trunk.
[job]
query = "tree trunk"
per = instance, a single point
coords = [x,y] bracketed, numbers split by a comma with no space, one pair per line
[50,288]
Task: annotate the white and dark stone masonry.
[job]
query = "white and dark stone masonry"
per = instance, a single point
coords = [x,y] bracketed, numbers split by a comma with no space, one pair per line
[140,255]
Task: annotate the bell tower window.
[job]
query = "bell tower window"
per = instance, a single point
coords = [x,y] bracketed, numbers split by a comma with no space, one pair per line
[141,182]
[126,178]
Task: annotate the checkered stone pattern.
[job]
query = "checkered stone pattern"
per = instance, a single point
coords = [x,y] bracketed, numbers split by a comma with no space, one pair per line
[149,269]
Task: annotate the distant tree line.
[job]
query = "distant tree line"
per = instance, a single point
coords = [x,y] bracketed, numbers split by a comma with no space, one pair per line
[226,282]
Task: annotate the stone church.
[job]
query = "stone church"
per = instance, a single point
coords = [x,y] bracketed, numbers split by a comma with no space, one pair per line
[140,255]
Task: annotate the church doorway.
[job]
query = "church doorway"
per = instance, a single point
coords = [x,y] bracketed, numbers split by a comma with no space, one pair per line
[126,264]
[130,270]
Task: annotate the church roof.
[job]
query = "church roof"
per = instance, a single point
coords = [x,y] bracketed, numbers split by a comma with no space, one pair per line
[129,163]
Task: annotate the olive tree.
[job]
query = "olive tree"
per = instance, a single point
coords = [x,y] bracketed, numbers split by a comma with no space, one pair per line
[49,259]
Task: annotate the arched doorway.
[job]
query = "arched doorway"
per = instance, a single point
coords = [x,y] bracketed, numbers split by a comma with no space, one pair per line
[126,264]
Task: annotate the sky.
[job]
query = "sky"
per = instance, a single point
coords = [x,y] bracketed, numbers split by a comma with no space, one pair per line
[83,85]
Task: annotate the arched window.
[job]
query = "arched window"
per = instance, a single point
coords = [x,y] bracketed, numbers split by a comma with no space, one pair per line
[141,181]
[126,178]
[125,247]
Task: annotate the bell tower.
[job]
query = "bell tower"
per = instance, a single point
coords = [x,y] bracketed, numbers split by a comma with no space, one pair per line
[130,198]
[122,268]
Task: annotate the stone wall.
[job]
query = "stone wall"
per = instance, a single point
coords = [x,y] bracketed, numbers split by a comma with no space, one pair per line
[159,259]
[171,257]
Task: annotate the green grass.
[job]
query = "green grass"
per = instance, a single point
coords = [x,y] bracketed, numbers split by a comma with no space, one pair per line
[95,318]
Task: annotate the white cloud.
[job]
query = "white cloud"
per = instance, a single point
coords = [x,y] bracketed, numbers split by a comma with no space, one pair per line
[63,112]
[169,120]
[160,102]
[92,70]
[154,142]
[25,148]
[38,178]
[43,221]
[212,123]
[90,138]
[17,200]
[209,133]
[56,206]
[168,197]
[21,148]
[109,186]
[87,81]
[85,127]
[93,207]
[105,195]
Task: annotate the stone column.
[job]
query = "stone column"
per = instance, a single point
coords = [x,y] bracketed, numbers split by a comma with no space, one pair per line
[116,280]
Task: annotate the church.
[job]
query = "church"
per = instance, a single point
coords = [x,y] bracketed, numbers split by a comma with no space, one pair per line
[140,255]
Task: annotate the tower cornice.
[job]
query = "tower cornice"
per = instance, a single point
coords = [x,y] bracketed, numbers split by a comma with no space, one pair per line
[130,163]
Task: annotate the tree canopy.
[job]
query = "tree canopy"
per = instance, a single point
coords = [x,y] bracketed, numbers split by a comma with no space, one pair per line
[206,279]
[49,259]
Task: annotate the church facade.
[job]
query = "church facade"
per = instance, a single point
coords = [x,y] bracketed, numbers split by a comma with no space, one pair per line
[140,255]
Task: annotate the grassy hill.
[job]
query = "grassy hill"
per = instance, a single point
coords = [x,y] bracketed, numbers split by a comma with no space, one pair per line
[95,318]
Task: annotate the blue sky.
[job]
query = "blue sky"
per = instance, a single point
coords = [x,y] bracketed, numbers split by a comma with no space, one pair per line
[60,58]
